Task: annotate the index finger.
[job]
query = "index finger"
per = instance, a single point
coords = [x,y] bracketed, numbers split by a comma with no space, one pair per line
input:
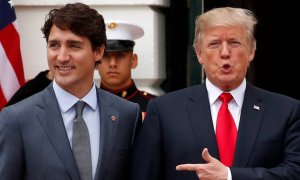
[188,167]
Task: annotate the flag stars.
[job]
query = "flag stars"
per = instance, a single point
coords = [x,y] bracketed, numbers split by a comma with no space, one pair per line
[11,3]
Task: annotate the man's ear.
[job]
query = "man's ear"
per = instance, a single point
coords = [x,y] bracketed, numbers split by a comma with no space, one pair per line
[134,61]
[198,53]
[99,52]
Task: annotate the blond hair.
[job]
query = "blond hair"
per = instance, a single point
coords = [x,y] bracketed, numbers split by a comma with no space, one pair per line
[226,16]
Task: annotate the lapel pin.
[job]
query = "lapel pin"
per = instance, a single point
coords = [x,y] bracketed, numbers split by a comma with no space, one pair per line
[256,107]
[113,118]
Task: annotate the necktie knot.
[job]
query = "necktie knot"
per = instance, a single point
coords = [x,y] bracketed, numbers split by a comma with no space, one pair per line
[225,97]
[79,107]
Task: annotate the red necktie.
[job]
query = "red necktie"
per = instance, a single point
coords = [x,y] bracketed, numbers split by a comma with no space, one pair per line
[226,131]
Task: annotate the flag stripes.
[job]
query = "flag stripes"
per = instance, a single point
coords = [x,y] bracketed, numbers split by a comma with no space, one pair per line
[11,66]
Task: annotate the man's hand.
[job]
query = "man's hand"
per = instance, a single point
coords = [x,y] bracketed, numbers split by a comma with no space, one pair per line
[212,170]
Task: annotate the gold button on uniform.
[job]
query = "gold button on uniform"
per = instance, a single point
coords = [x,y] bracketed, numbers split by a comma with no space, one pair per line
[124,93]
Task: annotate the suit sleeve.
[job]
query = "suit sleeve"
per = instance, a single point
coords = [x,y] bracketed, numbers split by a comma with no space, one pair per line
[138,122]
[289,167]
[11,149]
[146,158]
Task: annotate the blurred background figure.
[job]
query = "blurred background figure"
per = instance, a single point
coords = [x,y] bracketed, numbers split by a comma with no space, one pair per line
[118,61]
[35,85]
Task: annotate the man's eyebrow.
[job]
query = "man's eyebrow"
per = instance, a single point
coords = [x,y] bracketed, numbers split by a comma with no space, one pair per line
[74,41]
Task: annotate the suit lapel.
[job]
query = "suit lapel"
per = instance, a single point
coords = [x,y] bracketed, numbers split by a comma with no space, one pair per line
[51,120]
[250,122]
[109,120]
[199,109]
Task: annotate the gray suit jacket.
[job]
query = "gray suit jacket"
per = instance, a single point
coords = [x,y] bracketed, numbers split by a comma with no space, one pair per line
[34,143]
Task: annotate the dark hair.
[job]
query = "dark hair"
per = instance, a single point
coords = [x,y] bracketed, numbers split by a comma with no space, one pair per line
[80,19]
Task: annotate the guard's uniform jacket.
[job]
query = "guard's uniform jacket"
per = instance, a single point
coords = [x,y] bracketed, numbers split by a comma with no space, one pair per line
[131,93]
[120,38]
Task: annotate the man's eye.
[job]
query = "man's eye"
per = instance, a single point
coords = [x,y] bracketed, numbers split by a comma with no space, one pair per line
[74,46]
[213,45]
[52,45]
[235,43]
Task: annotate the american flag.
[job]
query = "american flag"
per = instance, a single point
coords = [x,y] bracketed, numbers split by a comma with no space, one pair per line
[11,66]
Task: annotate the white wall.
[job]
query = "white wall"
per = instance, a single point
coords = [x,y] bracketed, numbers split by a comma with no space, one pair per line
[150,48]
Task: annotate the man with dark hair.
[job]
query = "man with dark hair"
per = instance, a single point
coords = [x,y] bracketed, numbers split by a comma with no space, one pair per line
[71,129]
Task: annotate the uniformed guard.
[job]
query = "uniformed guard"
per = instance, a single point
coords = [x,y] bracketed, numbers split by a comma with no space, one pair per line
[118,60]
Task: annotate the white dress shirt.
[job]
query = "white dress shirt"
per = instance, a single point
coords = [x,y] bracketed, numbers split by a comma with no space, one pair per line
[234,106]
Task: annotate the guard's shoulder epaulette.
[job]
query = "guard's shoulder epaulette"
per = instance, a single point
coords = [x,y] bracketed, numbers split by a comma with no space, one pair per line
[147,95]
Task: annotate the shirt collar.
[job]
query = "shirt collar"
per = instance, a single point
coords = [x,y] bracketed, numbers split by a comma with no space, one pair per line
[214,92]
[67,100]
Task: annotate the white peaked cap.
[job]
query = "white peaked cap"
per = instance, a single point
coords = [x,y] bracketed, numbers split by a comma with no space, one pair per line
[120,30]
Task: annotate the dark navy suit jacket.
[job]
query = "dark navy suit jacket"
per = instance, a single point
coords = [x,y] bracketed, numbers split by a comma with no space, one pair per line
[34,143]
[178,126]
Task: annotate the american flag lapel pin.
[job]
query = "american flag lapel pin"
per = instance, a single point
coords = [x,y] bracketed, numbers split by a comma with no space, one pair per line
[256,107]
